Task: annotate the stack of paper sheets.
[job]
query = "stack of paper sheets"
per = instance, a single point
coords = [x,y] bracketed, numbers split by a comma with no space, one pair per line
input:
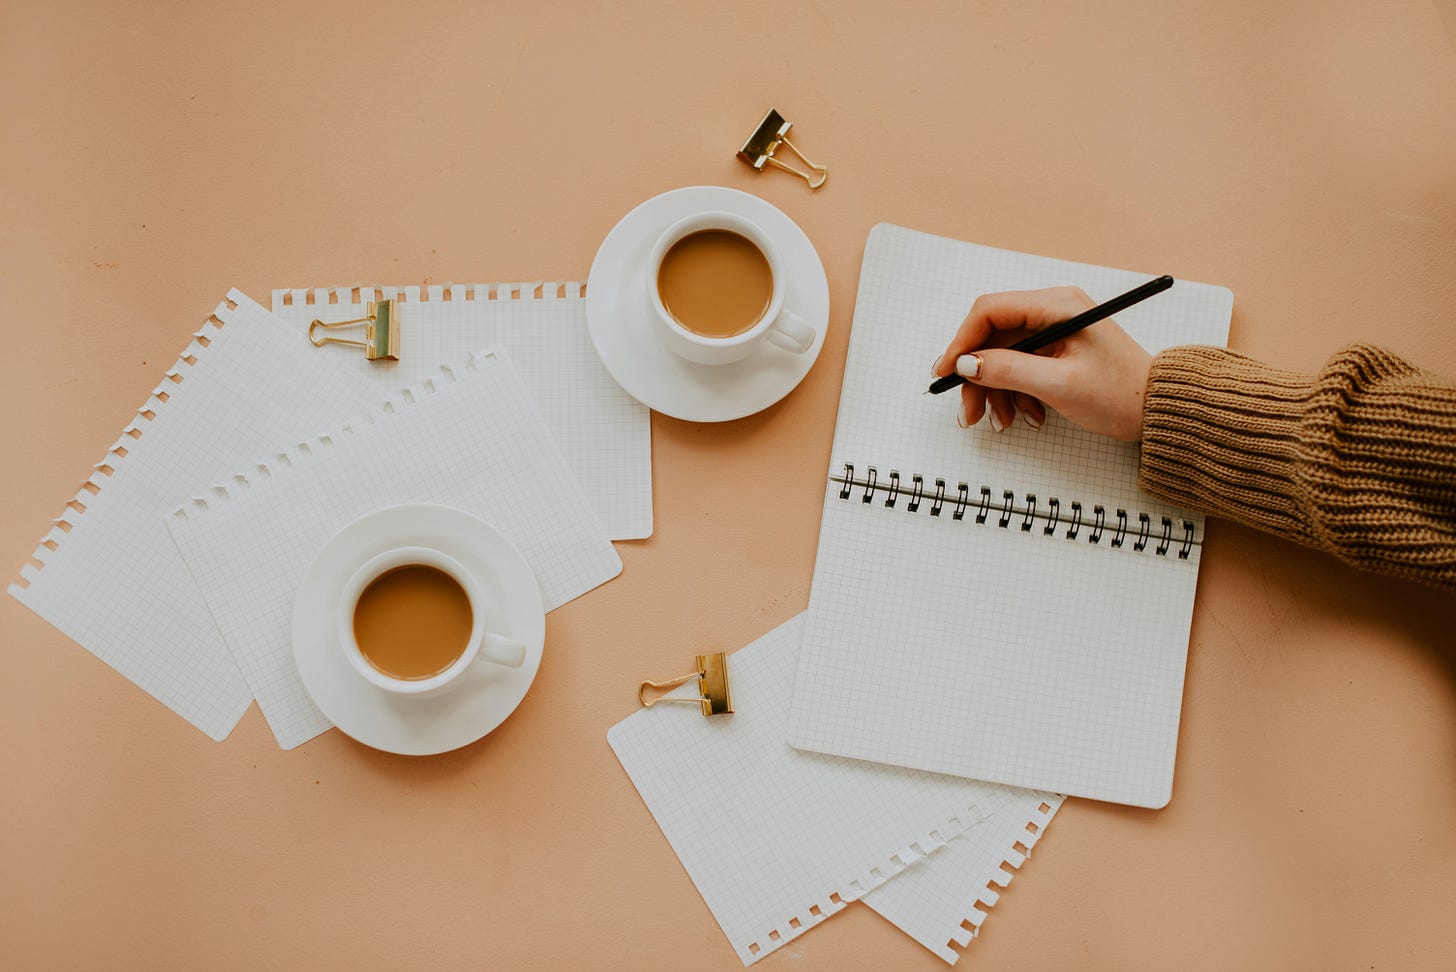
[248,426]
[778,840]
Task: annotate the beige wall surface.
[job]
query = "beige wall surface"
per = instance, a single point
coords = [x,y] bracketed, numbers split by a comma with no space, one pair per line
[1302,154]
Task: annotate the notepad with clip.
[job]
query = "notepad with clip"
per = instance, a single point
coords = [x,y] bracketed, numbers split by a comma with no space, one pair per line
[401,335]
[778,841]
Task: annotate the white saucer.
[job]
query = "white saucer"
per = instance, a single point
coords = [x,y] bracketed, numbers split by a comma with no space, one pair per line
[619,314]
[485,694]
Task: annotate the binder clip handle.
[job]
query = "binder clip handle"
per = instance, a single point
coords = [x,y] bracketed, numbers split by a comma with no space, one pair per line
[714,697]
[771,133]
[381,332]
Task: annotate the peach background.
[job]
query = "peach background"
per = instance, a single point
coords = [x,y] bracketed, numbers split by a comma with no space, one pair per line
[1303,154]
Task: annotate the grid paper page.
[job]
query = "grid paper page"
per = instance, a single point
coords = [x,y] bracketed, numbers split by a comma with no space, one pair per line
[1032,651]
[935,902]
[603,432]
[466,438]
[777,840]
[111,578]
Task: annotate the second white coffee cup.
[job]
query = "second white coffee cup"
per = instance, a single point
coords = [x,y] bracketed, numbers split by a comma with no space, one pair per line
[482,647]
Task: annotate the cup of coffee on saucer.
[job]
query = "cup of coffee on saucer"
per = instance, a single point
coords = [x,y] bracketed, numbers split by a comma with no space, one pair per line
[412,620]
[418,629]
[716,284]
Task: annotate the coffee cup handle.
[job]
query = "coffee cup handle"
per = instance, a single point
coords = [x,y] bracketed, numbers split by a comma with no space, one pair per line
[500,650]
[791,333]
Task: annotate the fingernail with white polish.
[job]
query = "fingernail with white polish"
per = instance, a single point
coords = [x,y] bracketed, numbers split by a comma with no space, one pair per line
[969,366]
[961,419]
[1031,421]
[935,368]
[996,421]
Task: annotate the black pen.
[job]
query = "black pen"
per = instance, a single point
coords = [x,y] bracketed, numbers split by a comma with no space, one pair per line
[1058,331]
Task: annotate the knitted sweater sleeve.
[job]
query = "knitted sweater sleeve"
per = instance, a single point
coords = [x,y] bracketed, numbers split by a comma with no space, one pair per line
[1358,460]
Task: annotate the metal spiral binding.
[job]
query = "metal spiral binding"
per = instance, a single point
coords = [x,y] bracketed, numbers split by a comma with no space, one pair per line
[1008,500]
[1052,513]
[1167,538]
[1076,521]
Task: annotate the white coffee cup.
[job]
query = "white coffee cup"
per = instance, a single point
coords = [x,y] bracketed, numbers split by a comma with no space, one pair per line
[482,647]
[780,327]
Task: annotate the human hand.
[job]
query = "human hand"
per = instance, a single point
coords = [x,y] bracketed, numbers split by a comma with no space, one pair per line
[1096,377]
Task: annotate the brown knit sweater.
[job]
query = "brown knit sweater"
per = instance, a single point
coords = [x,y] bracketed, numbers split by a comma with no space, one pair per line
[1358,460]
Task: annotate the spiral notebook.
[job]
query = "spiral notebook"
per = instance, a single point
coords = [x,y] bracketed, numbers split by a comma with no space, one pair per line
[107,573]
[1006,607]
[777,840]
[603,432]
[467,437]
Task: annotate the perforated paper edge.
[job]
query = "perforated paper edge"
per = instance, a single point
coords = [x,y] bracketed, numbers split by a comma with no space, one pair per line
[450,373]
[817,911]
[978,908]
[430,293]
[117,454]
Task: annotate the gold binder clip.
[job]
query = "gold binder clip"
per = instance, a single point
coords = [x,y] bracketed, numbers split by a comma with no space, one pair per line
[381,332]
[712,676]
[772,132]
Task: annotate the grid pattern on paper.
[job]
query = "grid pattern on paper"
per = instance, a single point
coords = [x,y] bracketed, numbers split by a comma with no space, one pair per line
[114,582]
[603,432]
[467,438]
[777,840]
[967,648]
[934,901]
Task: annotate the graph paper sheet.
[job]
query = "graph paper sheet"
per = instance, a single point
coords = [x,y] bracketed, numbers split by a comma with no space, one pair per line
[778,840]
[603,432]
[1035,648]
[110,577]
[941,901]
[467,438]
